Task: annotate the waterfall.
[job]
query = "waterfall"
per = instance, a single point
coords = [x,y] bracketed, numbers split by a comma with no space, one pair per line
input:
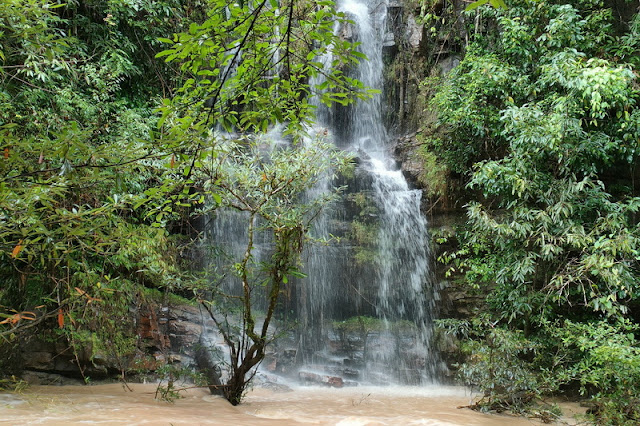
[366,306]
[364,311]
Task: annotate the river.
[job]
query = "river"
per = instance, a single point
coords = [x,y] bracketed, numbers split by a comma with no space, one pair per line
[112,404]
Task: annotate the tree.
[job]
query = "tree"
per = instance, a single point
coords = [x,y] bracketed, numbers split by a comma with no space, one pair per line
[248,67]
[78,148]
[269,188]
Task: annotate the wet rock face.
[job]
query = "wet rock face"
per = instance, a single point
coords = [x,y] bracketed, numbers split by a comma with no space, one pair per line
[404,151]
[56,358]
[165,335]
[353,356]
[48,379]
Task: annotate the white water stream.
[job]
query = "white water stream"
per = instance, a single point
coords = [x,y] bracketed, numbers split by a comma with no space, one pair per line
[377,276]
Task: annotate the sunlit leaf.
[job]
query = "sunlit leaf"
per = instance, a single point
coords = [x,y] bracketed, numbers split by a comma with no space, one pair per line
[476,4]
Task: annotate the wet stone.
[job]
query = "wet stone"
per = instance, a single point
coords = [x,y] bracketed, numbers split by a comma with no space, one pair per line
[320,379]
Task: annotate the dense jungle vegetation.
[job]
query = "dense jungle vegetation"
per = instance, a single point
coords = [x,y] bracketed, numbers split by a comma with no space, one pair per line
[541,122]
[121,123]
[111,122]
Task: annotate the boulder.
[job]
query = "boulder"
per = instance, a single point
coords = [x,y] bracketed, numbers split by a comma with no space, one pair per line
[320,379]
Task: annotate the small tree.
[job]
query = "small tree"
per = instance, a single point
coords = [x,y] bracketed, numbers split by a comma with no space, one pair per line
[269,188]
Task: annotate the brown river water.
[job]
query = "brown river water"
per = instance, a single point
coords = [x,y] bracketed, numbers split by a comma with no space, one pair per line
[359,406]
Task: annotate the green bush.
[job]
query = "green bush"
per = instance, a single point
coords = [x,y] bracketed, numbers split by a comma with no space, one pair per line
[543,121]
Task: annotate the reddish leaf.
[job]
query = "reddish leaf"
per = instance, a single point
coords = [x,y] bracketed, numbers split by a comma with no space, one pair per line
[60,318]
[17,249]
[85,294]
[27,315]
[6,153]
[41,159]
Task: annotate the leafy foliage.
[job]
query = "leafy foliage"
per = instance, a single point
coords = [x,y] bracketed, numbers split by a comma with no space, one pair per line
[249,71]
[543,121]
[78,149]
[604,357]
[495,3]
[502,365]
[229,60]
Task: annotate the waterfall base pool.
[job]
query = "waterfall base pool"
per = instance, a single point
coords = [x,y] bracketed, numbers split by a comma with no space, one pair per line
[114,405]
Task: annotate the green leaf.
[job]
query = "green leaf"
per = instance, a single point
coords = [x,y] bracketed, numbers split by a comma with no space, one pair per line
[476,4]
[165,53]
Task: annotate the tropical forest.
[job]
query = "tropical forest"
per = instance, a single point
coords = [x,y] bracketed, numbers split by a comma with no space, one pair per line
[279,206]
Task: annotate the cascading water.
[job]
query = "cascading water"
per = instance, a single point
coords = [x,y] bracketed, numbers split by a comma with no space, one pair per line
[364,310]
[366,306]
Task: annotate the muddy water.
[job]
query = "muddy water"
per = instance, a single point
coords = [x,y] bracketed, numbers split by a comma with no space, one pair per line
[113,405]
[374,406]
